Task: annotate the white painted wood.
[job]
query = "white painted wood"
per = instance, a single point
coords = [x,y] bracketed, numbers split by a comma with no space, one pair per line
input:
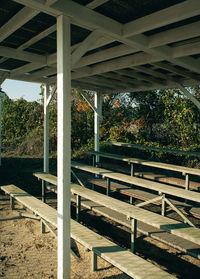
[127,262]
[98,106]
[88,17]
[84,46]
[174,35]
[51,95]
[22,55]
[23,16]
[163,17]
[38,37]
[96,3]
[189,95]
[86,98]
[64,144]
[2,95]
[25,69]
[46,129]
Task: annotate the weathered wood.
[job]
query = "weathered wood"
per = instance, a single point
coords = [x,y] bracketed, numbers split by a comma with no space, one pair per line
[148,162]
[148,230]
[156,186]
[127,262]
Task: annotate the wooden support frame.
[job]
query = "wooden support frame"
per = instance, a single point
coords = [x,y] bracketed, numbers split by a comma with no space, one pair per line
[64,144]
[108,186]
[186,220]
[93,261]
[133,235]
[97,113]
[78,207]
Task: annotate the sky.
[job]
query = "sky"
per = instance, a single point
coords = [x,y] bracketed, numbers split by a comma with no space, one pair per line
[16,89]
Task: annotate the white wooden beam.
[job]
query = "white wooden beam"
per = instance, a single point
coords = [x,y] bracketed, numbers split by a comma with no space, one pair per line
[64,145]
[46,130]
[96,3]
[86,98]
[25,69]
[3,76]
[189,95]
[2,95]
[38,37]
[88,17]
[109,26]
[84,46]
[98,106]
[175,70]
[163,17]
[51,95]
[174,35]
[23,16]
[22,55]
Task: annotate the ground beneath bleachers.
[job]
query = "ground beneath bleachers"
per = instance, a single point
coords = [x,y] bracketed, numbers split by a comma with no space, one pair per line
[25,252]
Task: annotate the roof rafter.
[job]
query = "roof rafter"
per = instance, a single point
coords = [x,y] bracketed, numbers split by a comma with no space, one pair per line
[166,16]
[23,16]
[83,47]
[96,20]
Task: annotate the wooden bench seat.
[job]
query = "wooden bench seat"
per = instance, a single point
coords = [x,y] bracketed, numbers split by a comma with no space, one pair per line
[127,262]
[174,241]
[149,163]
[151,185]
[161,222]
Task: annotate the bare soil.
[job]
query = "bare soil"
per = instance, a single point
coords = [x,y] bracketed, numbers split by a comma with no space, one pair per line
[26,253]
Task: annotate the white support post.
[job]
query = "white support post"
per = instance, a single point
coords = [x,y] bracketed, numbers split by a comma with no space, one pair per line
[2,94]
[0,128]
[98,106]
[64,144]
[46,129]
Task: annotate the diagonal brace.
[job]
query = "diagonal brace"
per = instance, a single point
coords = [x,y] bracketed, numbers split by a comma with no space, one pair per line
[84,95]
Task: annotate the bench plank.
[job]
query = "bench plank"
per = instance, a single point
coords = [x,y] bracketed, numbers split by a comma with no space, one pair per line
[150,218]
[127,262]
[151,185]
[147,163]
[148,230]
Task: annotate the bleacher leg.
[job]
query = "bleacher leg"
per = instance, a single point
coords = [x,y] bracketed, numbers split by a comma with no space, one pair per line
[78,207]
[132,170]
[108,187]
[42,227]
[163,206]
[94,261]
[187,182]
[133,235]
[43,191]
[12,203]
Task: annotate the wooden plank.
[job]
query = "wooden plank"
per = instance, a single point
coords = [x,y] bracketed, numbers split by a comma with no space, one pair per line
[153,148]
[151,185]
[150,218]
[148,163]
[161,222]
[127,262]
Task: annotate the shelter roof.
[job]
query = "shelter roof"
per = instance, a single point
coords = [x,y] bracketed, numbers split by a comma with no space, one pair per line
[125,45]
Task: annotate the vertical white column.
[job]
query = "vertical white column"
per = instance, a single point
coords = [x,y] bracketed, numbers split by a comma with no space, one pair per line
[0,127]
[98,106]
[46,129]
[64,144]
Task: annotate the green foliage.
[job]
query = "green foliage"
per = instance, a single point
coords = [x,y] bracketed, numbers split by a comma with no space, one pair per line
[162,118]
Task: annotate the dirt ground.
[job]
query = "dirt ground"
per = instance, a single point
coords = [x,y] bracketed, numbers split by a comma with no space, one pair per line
[26,253]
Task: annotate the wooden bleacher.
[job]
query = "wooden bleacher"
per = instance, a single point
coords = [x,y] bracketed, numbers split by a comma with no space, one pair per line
[145,217]
[149,163]
[126,261]
[150,185]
